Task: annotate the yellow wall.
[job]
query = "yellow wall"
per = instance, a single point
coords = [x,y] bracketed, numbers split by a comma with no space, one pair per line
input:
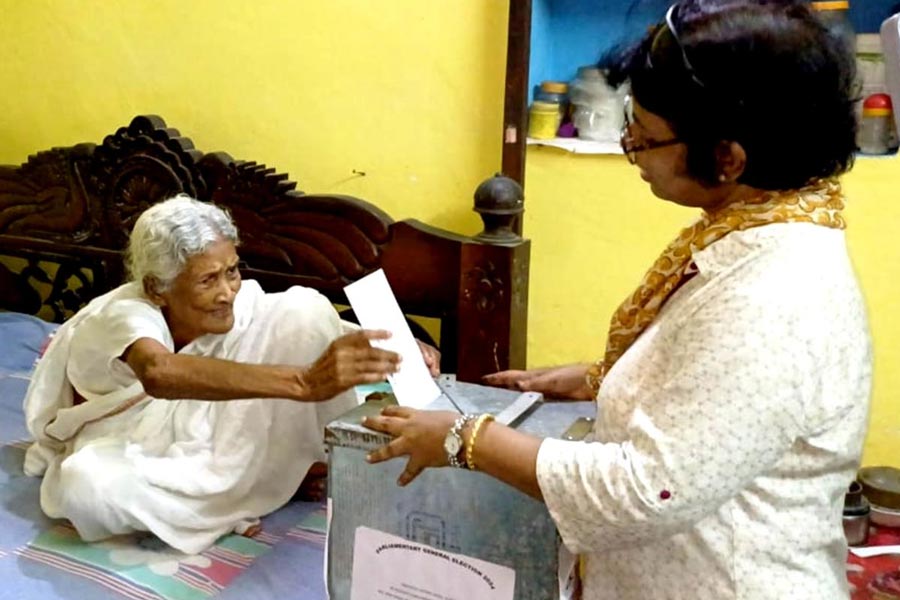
[873,188]
[410,92]
[595,228]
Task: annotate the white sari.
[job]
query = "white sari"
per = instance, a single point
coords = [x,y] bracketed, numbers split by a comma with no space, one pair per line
[187,470]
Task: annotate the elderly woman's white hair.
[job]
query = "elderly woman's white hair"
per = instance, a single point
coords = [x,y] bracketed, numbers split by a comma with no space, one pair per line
[167,234]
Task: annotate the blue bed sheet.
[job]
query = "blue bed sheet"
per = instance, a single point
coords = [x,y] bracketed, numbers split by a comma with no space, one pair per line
[44,559]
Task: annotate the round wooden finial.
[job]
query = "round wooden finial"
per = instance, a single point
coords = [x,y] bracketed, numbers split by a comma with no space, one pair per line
[499,201]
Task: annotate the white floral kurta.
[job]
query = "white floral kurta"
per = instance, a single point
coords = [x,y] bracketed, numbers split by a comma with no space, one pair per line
[728,433]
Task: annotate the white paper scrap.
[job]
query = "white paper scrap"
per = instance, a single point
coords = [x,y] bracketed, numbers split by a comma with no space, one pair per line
[376,308]
[867,551]
[327,548]
[388,566]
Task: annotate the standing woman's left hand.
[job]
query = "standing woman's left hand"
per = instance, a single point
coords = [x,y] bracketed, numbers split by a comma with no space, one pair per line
[418,434]
[431,356]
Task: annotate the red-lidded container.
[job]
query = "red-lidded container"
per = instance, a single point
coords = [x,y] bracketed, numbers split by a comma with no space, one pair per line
[876,131]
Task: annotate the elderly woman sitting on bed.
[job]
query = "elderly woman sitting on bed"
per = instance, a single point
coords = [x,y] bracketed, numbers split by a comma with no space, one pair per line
[127,406]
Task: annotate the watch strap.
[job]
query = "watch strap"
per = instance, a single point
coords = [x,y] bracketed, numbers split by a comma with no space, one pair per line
[458,460]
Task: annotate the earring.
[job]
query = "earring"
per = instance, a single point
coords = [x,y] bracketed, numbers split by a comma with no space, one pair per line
[722,177]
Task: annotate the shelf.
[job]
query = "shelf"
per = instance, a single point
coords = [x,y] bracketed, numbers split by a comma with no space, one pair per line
[891,154]
[579,146]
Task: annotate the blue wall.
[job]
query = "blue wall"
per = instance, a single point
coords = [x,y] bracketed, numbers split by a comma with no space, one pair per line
[566,34]
[868,15]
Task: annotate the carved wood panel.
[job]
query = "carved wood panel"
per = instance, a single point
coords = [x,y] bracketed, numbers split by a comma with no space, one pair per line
[66,213]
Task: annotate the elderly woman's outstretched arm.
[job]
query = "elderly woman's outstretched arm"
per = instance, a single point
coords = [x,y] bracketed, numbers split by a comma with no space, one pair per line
[348,361]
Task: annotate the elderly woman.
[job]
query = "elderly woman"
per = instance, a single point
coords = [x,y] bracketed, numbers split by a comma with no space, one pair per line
[189,403]
[733,393]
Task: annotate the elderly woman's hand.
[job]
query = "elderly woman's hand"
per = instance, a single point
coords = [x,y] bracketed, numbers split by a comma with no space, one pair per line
[567,382]
[418,434]
[350,360]
[432,357]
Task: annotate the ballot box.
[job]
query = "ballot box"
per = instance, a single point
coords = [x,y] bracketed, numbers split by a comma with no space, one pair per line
[451,510]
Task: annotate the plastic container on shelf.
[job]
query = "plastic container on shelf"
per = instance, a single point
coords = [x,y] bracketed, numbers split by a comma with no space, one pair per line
[543,120]
[876,131]
[597,108]
[555,92]
[835,15]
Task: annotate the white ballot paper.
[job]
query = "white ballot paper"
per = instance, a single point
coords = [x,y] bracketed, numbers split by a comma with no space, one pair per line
[390,567]
[376,308]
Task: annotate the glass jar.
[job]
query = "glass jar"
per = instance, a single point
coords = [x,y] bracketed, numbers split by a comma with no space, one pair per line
[596,107]
[876,130]
[835,16]
[555,92]
[543,120]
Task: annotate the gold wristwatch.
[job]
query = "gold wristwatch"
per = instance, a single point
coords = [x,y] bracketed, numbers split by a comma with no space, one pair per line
[454,444]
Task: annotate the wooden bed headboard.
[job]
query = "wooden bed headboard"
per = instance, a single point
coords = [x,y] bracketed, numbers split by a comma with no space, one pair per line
[66,213]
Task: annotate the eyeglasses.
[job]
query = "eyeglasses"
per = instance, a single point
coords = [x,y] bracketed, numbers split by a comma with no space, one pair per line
[630,146]
[658,41]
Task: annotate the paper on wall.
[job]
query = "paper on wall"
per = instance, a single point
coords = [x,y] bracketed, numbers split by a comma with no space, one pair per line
[376,307]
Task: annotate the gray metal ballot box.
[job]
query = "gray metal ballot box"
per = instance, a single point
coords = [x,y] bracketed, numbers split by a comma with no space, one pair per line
[449,509]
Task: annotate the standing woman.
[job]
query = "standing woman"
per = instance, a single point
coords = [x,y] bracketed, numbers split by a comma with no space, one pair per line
[733,393]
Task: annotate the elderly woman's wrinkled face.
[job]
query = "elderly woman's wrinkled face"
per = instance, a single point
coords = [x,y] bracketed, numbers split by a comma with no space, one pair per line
[200,300]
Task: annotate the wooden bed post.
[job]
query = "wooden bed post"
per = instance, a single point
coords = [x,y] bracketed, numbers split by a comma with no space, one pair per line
[493,290]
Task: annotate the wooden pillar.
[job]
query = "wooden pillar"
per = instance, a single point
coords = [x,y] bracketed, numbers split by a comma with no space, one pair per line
[515,105]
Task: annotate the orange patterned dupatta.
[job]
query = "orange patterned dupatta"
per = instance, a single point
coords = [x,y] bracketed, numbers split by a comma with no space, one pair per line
[820,203]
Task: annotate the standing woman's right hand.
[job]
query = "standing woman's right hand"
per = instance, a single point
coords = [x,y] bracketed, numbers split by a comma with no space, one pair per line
[566,382]
[348,361]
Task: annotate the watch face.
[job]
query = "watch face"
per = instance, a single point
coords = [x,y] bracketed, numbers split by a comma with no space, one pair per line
[452,444]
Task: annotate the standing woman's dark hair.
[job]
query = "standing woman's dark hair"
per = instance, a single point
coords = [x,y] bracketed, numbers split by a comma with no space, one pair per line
[765,74]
